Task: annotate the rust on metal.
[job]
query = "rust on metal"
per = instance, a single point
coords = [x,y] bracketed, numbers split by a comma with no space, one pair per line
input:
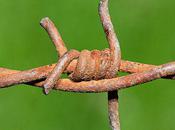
[89,71]
[94,86]
[115,59]
[58,69]
[55,36]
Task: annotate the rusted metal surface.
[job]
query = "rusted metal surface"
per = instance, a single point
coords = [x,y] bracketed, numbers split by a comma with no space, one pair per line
[113,110]
[43,71]
[93,86]
[118,83]
[115,59]
[55,36]
[58,69]
[89,71]
[91,65]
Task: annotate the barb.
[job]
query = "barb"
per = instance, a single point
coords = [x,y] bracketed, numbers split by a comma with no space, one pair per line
[58,69]
[115,63]
[89,71]
[63,62]
[55,36]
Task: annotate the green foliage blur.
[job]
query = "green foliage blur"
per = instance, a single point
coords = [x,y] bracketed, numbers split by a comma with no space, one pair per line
[146,31]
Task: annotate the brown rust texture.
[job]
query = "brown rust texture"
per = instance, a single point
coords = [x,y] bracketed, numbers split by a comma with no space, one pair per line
[113,110]
[115,59]
[119,82]
[59,68]
[89,71]
[55,36]
[103,85]
[11,77]
[91,64]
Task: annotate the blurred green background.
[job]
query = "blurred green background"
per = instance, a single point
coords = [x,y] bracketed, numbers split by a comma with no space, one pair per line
[146,31]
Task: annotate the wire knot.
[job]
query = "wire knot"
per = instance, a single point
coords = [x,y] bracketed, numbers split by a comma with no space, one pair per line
[92,65]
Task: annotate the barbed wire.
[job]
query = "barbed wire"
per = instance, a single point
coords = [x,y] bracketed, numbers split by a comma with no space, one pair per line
[89,71]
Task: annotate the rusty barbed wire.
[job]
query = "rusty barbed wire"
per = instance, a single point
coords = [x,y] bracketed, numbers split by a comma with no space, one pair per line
[89,71]
[37,76]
